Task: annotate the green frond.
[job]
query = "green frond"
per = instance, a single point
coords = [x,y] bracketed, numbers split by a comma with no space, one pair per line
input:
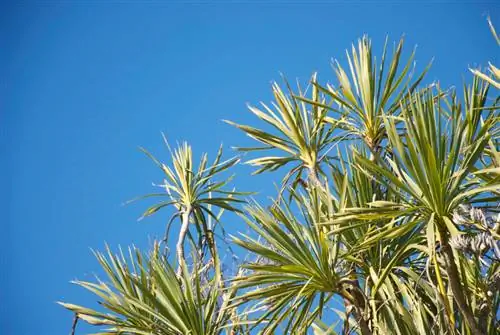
[188,186]
[297,129]
[367,90]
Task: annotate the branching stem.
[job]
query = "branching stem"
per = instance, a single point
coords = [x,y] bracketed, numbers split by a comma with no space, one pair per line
[182,236]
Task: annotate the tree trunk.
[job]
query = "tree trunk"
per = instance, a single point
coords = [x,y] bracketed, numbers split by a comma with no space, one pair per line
[180,243]
[355,301]
[363,325]
[313,178]
[360,306]
[456,287]
[215,258]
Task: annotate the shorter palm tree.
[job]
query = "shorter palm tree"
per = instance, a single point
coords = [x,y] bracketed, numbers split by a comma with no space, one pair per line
[145,296]
[193,193]
[432,169]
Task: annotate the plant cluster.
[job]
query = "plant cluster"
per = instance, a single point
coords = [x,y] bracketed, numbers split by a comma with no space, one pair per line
[386,220]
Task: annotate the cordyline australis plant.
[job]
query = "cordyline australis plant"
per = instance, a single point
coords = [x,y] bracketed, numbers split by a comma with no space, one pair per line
[386,221]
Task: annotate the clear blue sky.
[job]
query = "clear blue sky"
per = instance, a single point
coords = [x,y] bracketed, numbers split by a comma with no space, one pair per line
[82,84]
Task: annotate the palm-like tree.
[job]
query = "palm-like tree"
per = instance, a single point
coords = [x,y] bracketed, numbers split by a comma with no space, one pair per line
[301,265]
[432,170]
[299,131]
[297,267]
[145,296]
[193,192]
[367,90]
[395,220]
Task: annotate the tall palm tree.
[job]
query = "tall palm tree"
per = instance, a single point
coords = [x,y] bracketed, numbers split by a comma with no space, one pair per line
[433,169]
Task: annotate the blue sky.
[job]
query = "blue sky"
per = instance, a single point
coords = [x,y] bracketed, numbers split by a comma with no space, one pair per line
[84,83]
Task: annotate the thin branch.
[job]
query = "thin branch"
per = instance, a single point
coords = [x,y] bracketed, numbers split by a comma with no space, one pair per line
[73,326]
